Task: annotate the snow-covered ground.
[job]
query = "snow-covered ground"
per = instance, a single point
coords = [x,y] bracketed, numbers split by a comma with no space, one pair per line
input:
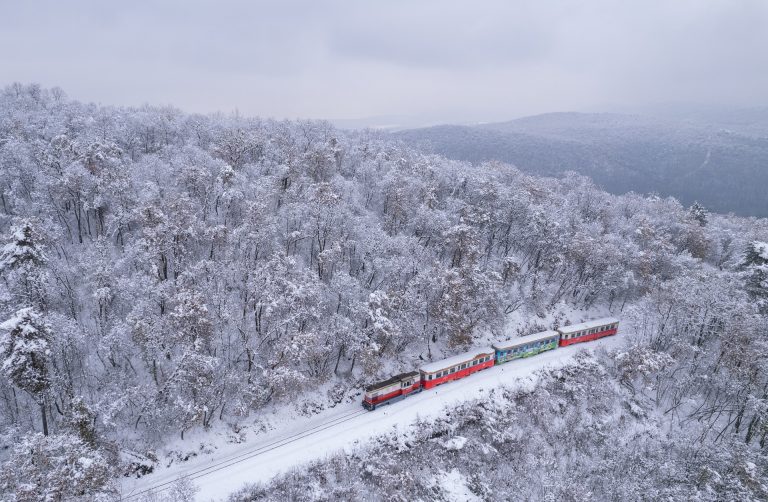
[344,428]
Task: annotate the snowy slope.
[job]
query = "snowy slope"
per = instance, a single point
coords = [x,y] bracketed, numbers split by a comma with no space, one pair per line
[304,440]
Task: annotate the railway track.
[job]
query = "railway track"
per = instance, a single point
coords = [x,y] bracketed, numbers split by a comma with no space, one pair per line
[243,456]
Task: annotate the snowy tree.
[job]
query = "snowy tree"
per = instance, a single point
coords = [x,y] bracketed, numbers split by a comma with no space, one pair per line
[22,260]
[26,354]
[81,421]
[698,213]
[755,265]
[55,467]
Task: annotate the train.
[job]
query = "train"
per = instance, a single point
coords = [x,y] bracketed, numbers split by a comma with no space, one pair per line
[462,365]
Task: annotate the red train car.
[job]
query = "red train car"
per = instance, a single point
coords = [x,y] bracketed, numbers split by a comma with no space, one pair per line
[588,331]
[453,368]
[392,390]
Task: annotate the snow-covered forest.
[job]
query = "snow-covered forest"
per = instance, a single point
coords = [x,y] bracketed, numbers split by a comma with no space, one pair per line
[165,273]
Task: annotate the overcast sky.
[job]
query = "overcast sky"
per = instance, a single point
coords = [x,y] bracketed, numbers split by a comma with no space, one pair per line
[438,60]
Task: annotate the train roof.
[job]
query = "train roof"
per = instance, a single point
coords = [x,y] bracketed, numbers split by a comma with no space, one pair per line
[525,339]
[588,325]
[390,381]
[457,359]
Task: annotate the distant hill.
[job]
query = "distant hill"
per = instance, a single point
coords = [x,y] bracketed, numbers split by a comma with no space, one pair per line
[721,159]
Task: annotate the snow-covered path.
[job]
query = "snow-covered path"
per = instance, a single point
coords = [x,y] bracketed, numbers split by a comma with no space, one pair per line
[345,426]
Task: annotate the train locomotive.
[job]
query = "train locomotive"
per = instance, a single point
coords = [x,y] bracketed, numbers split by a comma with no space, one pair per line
[461,365]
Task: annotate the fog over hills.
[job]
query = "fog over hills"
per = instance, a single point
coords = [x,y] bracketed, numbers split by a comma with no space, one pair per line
[717,158]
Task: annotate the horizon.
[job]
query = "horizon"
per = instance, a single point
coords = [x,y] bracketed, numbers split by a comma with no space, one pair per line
[678,111]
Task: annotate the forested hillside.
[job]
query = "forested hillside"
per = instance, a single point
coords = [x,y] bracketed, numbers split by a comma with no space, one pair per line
[165,272]
[722,164]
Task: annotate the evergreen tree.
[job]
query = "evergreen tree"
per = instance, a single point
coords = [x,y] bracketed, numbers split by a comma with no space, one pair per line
[23,261]
[699,213]
[25,351]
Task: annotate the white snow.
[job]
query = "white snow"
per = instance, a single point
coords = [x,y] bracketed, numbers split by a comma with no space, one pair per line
[455,443]
[761,248]
[453,487]
[344,428]
[457,359]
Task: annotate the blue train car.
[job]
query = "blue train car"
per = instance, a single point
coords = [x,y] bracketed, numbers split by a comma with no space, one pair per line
[525,346]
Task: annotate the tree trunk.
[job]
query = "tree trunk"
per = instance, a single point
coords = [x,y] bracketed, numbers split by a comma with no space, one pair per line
[45,417]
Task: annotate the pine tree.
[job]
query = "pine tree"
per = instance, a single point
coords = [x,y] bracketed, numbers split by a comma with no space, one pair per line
[25,352]
[23,260]
[699,213]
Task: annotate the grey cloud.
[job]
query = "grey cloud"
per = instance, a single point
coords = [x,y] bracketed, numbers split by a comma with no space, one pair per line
[456,60]
[443,34]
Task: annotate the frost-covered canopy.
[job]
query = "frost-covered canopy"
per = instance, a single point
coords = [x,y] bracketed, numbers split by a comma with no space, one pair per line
[165,273]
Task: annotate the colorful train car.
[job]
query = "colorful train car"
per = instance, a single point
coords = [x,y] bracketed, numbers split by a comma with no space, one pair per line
[453,368]
[459,366]
[588,331]
[391,390]
[525,346]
